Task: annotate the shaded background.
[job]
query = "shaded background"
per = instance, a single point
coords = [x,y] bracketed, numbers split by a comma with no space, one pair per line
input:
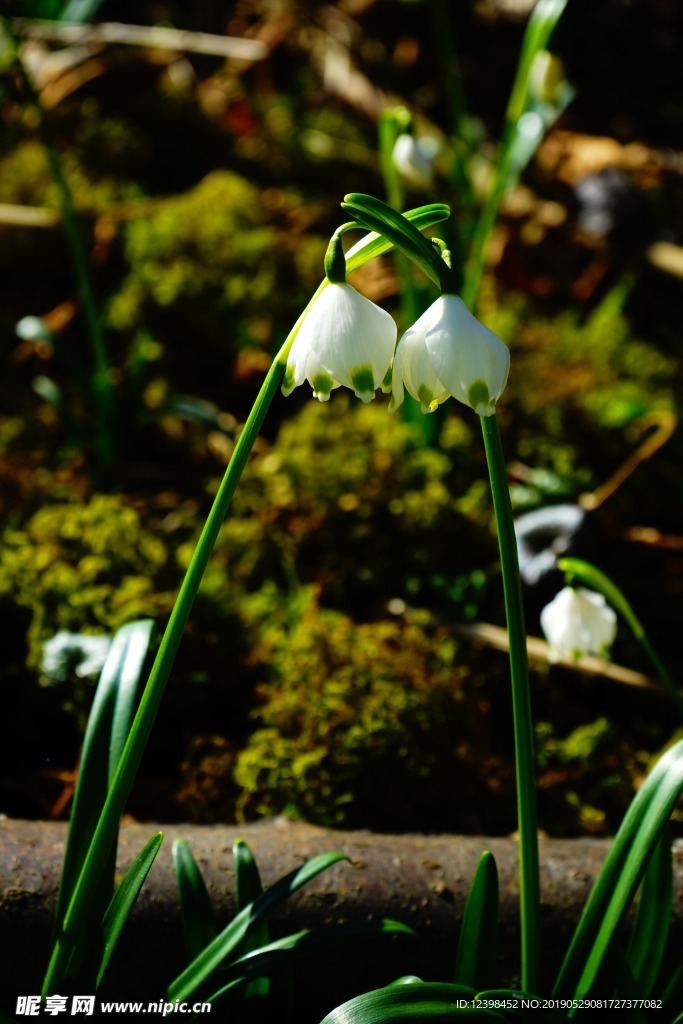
[324,673]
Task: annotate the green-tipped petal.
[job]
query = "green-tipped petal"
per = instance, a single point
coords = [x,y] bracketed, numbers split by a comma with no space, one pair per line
[470,360]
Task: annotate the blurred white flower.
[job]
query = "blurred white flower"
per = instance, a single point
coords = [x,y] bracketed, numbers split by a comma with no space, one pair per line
[413,162]
[578,621]
[345,339]
[448,352]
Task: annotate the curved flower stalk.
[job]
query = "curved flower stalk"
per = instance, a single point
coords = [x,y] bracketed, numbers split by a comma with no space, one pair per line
[345,339]
[449,352]
[578,621]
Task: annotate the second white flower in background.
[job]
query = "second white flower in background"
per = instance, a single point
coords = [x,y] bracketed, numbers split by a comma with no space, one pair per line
[446,352]
[345,340]
[578,621]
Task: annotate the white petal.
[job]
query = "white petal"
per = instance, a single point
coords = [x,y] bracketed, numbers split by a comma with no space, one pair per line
[470,360]
[579,621]
[416,369]
[352,338]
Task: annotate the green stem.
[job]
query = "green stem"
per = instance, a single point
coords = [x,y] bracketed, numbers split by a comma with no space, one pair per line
[529,886]
[105,833]
[102,393]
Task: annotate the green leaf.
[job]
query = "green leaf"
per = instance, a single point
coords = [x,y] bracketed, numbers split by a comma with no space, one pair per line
[124,899]
[375,244]
[231,936]
[377,216]
[651,927]
[281,954]
[421,1002]
[620,875]
[248,888]
[195,907]
[475,962]
[108,726]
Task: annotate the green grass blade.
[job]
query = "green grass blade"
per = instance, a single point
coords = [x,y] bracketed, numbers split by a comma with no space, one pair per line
[422,1002]
[108,725]
[281,954]
[199,927]
[475,962]
[620,876]
[231,937]
[651,927]
[124,899]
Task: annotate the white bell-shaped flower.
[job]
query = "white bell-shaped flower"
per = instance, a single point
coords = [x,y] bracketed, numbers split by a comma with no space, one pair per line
[446,352]
[345,339]
[578,621]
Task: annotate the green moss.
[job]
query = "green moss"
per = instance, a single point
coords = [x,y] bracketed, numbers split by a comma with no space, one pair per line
[359,723]
[348,499]
[82,567]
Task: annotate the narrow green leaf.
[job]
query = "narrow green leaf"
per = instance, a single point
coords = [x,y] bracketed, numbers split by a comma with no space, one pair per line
[378,216]
[199,927]
[422,1002]
[376,244]
[619,973]
[475,962]
[108,725]
[651,927]
[248,888]
[281,954]
[620,875]
[124,899]
[231,936]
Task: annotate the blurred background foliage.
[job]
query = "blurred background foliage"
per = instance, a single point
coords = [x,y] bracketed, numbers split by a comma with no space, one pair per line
[332,668]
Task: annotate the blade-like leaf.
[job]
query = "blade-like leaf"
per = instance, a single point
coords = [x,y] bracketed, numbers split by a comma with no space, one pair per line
[377,216]
[199,927]
[375,244]
[108,725]
[124,899]
[620,875]
[651,927]
[279,955]
[422,1002]
[475,962]
[247,889]
[230,938]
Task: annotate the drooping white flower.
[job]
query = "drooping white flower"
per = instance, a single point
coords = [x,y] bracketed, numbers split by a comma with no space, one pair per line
[578,621]
[412,161]
[345,339]
[446,352]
